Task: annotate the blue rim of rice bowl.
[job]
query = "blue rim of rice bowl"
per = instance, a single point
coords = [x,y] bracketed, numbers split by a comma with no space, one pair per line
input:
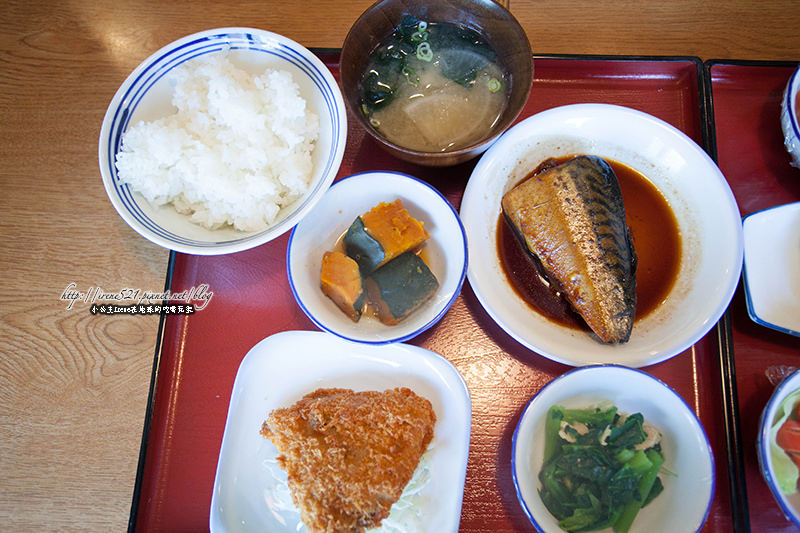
[152,70]
[591,368]
[439,314]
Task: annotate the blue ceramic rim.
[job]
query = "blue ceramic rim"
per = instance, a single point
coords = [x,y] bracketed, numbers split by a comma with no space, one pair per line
[590,368]
[762,449]
[153,69]
[446,307]
[748,297]
[793,118]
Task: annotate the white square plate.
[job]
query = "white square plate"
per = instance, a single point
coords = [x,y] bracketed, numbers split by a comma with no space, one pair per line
[772,267]
[250,492]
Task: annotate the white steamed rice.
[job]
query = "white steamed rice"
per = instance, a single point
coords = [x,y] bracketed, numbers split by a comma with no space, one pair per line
[236,152]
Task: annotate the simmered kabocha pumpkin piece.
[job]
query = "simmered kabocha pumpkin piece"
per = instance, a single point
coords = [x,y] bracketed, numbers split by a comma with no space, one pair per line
[381,234]
[380,265]
[341,282]
[362,247]
[399,287]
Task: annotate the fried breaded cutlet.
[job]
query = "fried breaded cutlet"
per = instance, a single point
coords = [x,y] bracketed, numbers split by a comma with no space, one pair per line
[349,455]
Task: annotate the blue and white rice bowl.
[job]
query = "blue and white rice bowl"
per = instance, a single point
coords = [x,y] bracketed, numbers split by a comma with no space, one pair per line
[688,470]
[790,122]
[146,96]
[445,252]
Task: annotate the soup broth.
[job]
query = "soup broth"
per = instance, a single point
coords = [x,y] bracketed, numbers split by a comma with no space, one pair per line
[433,87]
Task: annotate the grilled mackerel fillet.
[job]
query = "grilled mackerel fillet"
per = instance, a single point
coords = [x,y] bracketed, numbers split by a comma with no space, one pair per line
[571,217]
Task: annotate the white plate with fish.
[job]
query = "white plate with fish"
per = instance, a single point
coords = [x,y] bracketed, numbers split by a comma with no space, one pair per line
[704,227]
[250,489]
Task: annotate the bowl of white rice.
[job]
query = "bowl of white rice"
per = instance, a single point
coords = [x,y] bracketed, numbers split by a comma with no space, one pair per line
[222,140]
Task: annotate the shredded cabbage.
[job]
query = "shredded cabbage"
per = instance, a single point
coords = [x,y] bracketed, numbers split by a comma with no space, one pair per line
[405,516]
[406,513]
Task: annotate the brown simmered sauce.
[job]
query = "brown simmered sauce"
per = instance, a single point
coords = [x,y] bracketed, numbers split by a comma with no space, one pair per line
[656,238]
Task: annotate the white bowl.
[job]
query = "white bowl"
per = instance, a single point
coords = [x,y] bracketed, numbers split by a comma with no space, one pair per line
[703,204]
[686,500]
[146,95]
[789,504]
[772,267]
[445,252]
[250,490]
[790,122]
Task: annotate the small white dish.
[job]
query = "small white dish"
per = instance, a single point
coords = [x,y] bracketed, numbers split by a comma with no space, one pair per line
[789,503]
[249,495]
[704,206]
[445,252]
[146,95]
[790,121]
[686,500]
[772,267]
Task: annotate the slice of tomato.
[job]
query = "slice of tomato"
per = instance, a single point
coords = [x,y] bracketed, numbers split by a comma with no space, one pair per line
[788,436]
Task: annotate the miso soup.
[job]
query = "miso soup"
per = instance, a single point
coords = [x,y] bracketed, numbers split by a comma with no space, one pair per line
[433,87]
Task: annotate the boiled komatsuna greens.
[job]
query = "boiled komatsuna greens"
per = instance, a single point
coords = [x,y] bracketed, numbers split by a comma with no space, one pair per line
[600,467]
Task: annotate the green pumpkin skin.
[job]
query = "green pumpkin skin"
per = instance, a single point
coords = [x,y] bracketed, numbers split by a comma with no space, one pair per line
[400,286]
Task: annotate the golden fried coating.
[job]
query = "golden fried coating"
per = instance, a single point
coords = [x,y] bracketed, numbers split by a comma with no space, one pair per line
[349,455]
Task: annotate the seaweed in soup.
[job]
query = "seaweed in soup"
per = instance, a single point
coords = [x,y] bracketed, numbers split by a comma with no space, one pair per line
[433,86]
[459,52]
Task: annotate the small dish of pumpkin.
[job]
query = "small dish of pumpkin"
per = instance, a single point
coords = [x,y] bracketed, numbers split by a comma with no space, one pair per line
[380,259]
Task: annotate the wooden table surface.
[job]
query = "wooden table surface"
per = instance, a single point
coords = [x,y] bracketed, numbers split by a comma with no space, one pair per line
[73,387]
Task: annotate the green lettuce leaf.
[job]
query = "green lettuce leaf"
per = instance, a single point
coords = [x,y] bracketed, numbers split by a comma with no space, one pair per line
[786,471]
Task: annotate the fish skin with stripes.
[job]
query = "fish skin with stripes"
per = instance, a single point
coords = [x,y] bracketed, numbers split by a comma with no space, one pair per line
[571,217]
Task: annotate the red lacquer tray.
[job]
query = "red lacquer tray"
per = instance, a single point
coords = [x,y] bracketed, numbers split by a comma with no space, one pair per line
[198,355]
[746,104]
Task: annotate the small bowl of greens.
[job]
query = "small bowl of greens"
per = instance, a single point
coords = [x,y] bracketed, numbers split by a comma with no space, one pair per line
[778,446]
[610,447]
[435,83]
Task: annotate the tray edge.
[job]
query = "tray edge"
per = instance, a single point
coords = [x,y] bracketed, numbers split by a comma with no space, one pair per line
[137,488]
